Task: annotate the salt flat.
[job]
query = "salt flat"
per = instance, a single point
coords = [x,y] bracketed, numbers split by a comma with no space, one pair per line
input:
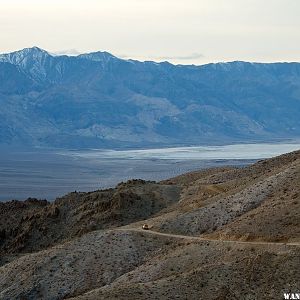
[48,174]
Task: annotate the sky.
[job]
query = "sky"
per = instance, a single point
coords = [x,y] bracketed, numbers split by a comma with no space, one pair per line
[179,31]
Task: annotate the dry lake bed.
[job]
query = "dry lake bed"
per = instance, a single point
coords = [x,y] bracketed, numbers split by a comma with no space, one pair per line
[47,174]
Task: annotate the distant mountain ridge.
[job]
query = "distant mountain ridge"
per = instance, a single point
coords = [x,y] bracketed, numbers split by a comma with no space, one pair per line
[99,100]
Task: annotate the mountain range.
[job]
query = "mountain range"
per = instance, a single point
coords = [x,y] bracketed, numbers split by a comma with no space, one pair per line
[99,100]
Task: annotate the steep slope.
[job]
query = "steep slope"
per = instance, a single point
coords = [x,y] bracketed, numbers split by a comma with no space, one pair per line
[13,81]
[250,247]
[209,270]
[99,100]
[137,265]
[34,225]
[258,202]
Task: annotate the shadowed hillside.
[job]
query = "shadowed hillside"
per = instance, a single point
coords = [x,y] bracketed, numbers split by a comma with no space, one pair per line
[34,225]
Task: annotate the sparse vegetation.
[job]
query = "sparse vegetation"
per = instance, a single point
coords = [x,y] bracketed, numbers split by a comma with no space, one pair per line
[236,235]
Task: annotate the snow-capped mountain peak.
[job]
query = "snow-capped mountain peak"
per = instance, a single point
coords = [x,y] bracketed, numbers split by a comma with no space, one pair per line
[42,66]
[22,56]
[32,61]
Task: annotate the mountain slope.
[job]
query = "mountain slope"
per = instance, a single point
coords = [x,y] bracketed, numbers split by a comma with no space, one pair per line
[34,225]
[249,250]
[99,100]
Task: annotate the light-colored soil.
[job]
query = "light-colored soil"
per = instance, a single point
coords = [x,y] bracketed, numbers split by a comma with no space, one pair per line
[209,270]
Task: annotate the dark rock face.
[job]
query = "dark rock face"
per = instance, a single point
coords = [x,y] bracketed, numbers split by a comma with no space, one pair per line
[99,100]
[37,224]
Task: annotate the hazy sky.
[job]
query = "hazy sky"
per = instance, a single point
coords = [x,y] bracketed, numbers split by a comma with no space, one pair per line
[181,31]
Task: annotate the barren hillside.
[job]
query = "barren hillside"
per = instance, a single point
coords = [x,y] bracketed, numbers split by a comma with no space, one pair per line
[222,233]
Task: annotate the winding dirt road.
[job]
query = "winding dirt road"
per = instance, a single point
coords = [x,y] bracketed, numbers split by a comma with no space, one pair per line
[197,238]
